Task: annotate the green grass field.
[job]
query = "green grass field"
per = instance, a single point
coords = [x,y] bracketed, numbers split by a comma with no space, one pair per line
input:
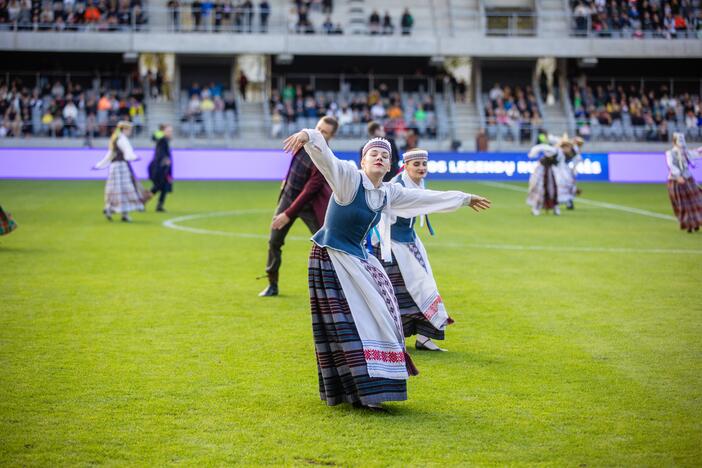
[577,339]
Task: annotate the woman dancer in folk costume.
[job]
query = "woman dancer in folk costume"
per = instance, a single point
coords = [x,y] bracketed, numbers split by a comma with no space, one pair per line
[359,344]
[123,192]
[543,189]
[421,307]
[685,195]
[566,170]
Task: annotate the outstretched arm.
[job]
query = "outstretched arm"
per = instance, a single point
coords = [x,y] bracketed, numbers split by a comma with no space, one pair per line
[342,176]
[408,203]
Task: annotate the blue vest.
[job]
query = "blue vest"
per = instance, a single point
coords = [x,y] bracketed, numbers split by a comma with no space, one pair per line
[346,226]
[403,229]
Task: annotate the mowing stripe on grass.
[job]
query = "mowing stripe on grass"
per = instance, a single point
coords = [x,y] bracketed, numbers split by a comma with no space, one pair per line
[172,224]
[611,206]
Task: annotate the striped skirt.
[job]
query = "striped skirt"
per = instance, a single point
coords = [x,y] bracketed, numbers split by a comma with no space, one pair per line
[687,203]
[543,191]
[413,320]
[123,192]
[341,365]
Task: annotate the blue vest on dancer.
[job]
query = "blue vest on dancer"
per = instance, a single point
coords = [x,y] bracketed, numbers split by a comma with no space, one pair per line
[346,226]
[403,229]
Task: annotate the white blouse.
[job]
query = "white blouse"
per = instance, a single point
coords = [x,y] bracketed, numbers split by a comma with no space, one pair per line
[677,163]
[342,176]
[124,145]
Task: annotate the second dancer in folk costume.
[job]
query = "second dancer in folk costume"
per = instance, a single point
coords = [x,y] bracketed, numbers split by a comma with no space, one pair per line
[543,186]
[566,170]
[123,191]
[421,307]
[357,328]
[685,195]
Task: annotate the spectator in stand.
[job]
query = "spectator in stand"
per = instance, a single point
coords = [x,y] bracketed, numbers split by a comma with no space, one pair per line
[406,22]
[374,23]
[247,9]
[174,13]
[328,27]
[264,10]
[388,28]
[243,85]
[70,117]
[196,9]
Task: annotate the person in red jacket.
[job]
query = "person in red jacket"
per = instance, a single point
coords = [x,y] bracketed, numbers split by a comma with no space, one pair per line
[305,195]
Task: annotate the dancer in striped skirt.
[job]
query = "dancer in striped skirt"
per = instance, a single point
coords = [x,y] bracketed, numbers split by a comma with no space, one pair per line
[421,307]
[685,195]
[123,192]
[359,343]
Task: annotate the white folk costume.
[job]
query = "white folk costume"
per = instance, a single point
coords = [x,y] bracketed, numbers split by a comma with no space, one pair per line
[359,342]
[565,170]
[543,190]
[685,197]
[123,192]
[421,307]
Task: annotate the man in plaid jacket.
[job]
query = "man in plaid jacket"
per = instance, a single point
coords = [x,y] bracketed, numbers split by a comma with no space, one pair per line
[305,195]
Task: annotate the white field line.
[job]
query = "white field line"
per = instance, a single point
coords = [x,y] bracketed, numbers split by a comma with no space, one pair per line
[611,206]
[172,224]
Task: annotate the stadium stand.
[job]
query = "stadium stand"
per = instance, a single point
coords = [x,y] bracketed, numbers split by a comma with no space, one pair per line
[634,111]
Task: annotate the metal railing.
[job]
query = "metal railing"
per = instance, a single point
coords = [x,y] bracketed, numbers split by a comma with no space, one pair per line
[511,24]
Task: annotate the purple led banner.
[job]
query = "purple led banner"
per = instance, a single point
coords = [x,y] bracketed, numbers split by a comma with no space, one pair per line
[200,164]
[643,167]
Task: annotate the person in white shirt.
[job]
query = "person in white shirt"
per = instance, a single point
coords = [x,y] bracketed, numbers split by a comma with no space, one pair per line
[123,192]
[685,195]
[357,329]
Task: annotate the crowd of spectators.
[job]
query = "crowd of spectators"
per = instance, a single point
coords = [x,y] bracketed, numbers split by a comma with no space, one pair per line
[240,16]
[386,27]
[300,17]
[635,112]
[72,15]
[297,107]
[64,109]
[638,18]
[512,113]
[208,110]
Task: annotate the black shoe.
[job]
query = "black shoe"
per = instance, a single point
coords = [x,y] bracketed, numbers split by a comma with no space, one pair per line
[160,208]
[570,205]
[108,214]
[271,290]
[126,219]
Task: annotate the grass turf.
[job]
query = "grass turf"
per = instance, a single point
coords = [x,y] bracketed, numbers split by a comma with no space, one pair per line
[141,345]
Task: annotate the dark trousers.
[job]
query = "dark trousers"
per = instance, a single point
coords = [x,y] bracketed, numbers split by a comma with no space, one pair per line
[277,238]
[161,197]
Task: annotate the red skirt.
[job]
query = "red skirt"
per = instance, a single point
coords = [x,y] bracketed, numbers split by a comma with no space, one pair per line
[687,202]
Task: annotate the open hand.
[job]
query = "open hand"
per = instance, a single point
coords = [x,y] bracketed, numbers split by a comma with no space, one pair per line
[293,143]
[280,221]
[479,203]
